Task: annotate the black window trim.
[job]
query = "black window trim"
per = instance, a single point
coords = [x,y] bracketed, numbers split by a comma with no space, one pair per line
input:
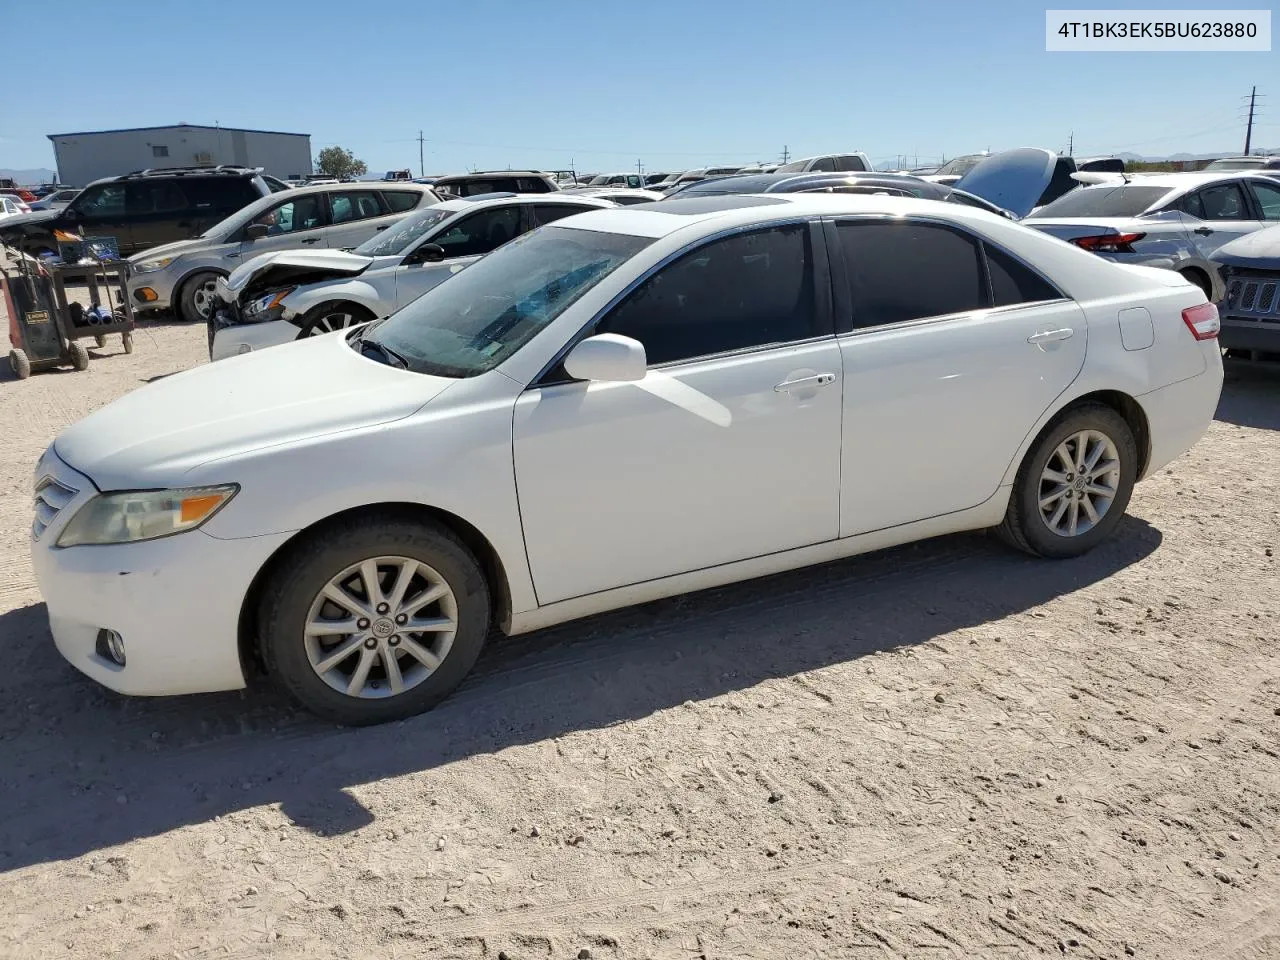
[551,374]
[322,205]
[417,204]
[843,297]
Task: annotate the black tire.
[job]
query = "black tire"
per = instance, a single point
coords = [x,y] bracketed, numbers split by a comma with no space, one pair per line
[320,320]
[1200,280]
[100,340]
[308,566]
[20,364]
[1025,528]
[79,355]
[194,302]
[126,340]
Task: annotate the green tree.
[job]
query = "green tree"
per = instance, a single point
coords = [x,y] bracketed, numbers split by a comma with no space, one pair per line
[340,162]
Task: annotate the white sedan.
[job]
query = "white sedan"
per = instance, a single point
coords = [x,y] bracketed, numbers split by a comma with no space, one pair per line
[625,405]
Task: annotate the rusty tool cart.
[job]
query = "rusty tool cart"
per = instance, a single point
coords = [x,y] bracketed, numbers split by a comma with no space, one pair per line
[38,334]
[95,263]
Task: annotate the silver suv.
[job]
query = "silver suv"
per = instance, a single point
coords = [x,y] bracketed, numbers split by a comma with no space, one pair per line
[182,276]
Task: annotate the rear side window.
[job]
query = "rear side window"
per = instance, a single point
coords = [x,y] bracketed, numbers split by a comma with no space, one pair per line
[531,185]
[852,163]
[400,200]
[354,205]
[220,195]
[148,198]
[747,290]
[1128,200]
[1268,197]
[825,165]
[1013,282]
[1223,201]
[908,271]
[549,212]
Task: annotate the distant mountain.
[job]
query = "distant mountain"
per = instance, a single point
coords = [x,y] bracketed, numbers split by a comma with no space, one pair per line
[38,175]
[1184,157]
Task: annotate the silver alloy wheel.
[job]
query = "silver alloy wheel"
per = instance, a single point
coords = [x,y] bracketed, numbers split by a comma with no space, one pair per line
[202,297]
[1079,483]
[381,627]
[331,322]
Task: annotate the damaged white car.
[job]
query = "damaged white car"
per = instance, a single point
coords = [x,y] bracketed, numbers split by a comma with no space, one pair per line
[286,296]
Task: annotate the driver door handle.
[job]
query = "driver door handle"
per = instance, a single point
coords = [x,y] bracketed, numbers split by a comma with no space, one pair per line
[818,380]
[1204,231]
[1049,336]
[311,240]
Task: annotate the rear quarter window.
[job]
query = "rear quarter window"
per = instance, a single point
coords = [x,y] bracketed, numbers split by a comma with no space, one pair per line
[1127,200]
[398,201]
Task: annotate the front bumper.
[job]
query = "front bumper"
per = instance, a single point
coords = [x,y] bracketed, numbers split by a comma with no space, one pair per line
[151,291]
[229,336]
[175,601]
[1251,312]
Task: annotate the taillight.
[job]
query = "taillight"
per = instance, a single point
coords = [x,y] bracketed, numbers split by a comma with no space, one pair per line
[1202,320]
[1109,242]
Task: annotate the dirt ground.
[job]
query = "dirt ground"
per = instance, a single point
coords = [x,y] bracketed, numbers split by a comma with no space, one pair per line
[941,750]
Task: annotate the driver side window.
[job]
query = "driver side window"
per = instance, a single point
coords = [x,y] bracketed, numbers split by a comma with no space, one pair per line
[106,200]
[300,214]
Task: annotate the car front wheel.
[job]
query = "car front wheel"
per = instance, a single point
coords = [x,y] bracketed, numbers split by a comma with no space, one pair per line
[196,302]
[1072,489]
[375,619]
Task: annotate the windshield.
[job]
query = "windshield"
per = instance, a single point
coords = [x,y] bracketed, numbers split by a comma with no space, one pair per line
[959,166]
[1123,201]
[400,236]
[481,316]
[224,228]
[1235,164]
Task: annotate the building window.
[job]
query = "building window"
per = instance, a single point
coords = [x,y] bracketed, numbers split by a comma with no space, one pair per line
[158,151]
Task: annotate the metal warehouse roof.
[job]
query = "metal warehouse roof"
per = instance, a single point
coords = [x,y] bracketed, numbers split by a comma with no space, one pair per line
[175,126]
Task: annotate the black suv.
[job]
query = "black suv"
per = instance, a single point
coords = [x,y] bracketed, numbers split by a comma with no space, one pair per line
[143,209]
[496,181]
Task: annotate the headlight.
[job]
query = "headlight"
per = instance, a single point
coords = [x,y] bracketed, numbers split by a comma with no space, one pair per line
[267,307]
[144,514]
[151,266]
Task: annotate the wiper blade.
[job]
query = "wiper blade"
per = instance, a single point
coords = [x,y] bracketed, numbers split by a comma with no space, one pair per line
[389,356]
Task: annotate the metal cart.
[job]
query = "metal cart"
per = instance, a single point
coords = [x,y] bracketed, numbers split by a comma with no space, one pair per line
[37,330]
[101,276]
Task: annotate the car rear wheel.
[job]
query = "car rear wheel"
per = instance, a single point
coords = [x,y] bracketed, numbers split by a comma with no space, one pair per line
[329,317]
[374,620]
[1074,484]
[196,302]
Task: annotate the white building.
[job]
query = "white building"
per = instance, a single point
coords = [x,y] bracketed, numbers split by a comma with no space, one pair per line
[84,157]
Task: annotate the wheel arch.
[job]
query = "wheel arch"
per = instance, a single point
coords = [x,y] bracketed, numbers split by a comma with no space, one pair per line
[354,291]
[180,286]
[475,541]
[1119,401]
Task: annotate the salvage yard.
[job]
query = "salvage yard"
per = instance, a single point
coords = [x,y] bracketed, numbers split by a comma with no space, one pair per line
[945,749]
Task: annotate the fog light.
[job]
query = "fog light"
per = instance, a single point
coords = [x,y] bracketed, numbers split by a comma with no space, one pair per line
[110,646]
[245,348]
[146,295]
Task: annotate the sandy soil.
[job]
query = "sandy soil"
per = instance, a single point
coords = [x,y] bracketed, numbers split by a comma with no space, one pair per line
[942,750]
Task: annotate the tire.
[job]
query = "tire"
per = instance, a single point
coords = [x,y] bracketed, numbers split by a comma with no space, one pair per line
[1201,281]
[329,317]
[126,340]
[1027,528]
[291,600]
[100,340]
[79,355]
[20,364]
[196,299]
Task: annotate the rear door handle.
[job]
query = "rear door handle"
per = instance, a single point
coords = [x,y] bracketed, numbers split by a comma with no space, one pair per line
[817,380]
[311,240]
[1204,231]
[1049,336]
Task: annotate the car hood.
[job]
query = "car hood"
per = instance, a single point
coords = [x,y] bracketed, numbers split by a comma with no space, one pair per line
[297,267]
[156,435]
[1259,250]
[35,222]
[1014,179]
[175,249]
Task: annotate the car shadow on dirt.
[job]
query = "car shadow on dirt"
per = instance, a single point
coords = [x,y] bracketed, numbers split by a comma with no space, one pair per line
[1250,395]
[82,769]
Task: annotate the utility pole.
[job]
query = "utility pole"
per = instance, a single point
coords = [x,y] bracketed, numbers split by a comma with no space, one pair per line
[422,168]
[1071,143]
[1248,130]
[785,154]
[639,168]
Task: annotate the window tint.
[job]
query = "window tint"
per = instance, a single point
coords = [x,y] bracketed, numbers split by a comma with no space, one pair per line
[220,195]
[472,188]
[748,290]
[1190,204]
[852,163]
[1268,197]
[355,205]
[302,213]
[905,271]
[825,164]
[529,185]
[106,200]
[1224,201]
[547,212]
[1104,201]
[401,200]
[1012,282]
[147,197]
[481,232]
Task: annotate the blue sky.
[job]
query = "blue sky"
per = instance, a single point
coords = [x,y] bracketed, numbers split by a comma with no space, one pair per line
[673,83]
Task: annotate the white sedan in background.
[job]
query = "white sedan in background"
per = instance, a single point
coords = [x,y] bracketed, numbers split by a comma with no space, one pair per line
[275,298]
[626,405]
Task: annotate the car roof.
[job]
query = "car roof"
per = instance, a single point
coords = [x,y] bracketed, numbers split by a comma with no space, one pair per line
[1180,182]
[498,199]
[490,175]
[711,214]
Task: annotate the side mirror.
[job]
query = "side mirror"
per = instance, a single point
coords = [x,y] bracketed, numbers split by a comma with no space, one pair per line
[608,358]
[428,253]
[69,214]
[256,231]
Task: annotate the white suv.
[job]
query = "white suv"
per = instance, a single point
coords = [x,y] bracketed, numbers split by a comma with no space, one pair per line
[280,297]
[183,276]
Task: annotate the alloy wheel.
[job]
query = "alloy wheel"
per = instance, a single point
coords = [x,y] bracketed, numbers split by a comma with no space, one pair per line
[202,297]
[381,627]
[1079,483]
[331,322]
